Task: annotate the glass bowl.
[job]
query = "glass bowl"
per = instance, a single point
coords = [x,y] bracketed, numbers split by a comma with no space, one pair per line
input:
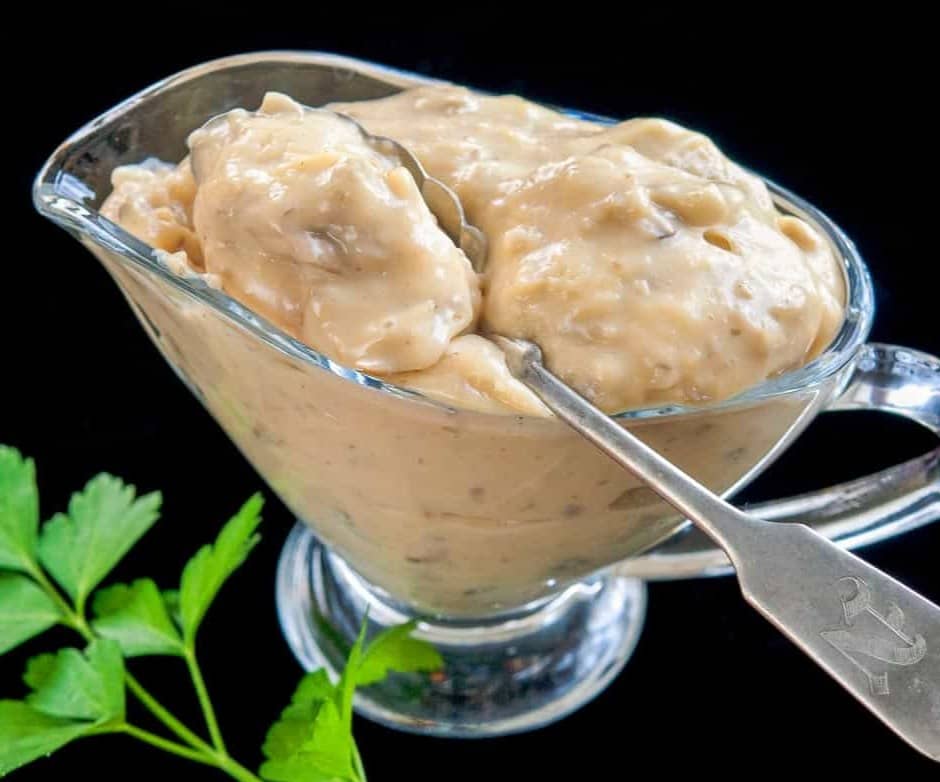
[518,545]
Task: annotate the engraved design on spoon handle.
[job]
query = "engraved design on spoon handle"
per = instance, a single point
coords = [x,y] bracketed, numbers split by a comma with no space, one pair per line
[876,637]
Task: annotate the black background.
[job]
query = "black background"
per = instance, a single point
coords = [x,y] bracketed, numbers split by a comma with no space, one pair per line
[836,115]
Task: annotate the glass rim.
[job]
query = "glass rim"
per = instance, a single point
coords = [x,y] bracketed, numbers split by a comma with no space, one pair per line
[57,203]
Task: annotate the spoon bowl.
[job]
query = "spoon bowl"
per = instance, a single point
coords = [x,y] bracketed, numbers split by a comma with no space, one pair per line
[443,202]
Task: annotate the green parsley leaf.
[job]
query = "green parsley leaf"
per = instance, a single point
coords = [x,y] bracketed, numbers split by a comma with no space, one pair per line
[73,685]
[396,650]
[26,734]
[171,597]
[310,742]
[25,610]
[64,685]
[314,688]
[290,732]
[206,572]
[295,725]
[104,520]
[330,746]
[326,754]
[38,670]
[136,616]
[19,510]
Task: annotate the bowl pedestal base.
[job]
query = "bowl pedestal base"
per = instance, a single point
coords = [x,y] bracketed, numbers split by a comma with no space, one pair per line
[504,675]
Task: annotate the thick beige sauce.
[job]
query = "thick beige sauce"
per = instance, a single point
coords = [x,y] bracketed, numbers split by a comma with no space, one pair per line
[647,266]
[600,250]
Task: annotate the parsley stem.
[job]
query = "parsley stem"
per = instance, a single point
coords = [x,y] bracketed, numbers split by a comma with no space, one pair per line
[236,770]
[357,763]
[168,746]
[206,754]
[69,617]
[210,758]
[161,713]
[202,694]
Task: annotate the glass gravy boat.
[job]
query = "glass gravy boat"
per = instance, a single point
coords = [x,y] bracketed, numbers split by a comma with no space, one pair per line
[521,548]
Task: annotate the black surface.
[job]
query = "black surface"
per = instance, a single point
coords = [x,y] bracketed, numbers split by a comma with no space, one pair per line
[712,688]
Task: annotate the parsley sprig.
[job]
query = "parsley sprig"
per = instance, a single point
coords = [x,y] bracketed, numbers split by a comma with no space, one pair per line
[50,575]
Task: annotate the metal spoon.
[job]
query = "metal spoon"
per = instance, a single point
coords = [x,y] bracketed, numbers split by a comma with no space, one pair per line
[877,638]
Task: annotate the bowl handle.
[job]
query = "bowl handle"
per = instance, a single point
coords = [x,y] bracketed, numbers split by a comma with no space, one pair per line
[879,506]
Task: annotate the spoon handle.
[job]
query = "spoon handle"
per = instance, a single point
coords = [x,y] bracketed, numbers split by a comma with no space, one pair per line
[877,638]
